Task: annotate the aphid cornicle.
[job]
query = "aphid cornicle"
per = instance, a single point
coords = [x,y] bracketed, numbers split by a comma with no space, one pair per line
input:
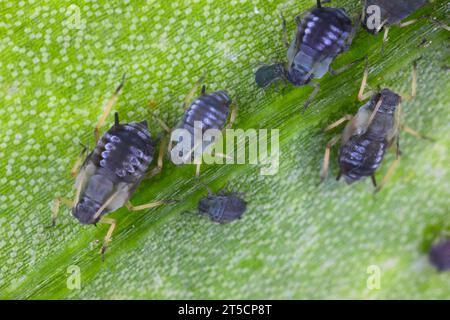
[322,34]
[222,207]
[369,134]
[110,174]
[211,111]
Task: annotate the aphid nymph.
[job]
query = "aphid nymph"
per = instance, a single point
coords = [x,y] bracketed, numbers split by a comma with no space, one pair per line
[321,35]
[222,207]
[215,110]
[369,134]
[111,173]
[391,13]
[382,14]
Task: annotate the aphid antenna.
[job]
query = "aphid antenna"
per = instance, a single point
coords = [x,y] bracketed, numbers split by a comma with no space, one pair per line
[122,83]
[210,192]
[85,146]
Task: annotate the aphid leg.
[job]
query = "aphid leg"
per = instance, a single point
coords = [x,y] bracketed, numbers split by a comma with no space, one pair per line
[146,206]
[361,95]
[233,115]
[160,162]
[388,175]
[197,169]
[191,94]
[385,39]
[398,152]
[344,68]
[414,80]
[414,133]
[107,238]
[210,192]
[285,33]
[107,109]
[162,124]
[164,145]
[337,123]
[439,24]
[374,112]
[316,87]
[413,93]
[78,162]
[56,205]
[326,158]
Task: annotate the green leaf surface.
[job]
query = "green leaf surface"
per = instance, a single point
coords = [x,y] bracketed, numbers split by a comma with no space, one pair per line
[298,238]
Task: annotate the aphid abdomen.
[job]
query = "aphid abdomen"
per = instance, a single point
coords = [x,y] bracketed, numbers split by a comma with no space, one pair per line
[210,109]
[125,152]
[360,157]
[322,35]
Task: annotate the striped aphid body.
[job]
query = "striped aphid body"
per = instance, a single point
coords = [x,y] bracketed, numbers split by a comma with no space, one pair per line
[391,12]
[365,140]
[113,170]
[320,37]
[223,207]
[210,111]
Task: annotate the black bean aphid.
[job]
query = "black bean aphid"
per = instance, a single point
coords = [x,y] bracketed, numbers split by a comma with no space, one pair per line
[439,255]
[113,170]
[382,14]
[391,12]
[321,36]
[111,173]
[222,207]
[368,134]
[211,110]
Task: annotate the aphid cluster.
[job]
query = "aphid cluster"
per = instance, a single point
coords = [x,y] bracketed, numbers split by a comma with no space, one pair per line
[109,175]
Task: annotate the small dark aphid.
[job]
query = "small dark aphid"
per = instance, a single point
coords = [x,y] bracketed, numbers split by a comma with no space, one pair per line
[390,13]
[369,134]
[110,174]
[320,37]
[222,207]
[439,255]
[213,110]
